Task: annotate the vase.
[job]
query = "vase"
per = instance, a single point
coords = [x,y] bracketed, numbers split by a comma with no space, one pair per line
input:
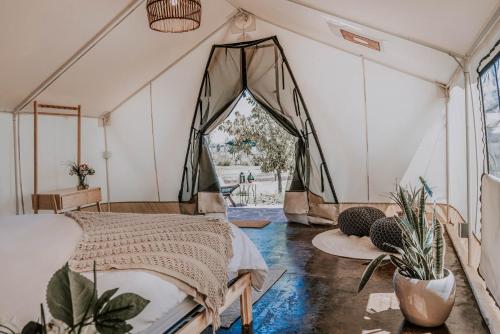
[426,303]
[82,185]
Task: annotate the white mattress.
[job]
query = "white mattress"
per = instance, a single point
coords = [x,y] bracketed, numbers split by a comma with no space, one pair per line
[33,247]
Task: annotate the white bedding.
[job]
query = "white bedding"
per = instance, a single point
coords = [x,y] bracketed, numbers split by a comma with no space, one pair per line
[33,247]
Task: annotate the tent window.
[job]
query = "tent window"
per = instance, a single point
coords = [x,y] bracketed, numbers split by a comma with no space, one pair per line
[490,95]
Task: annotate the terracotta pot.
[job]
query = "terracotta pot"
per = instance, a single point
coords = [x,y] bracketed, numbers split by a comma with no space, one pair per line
[425,303]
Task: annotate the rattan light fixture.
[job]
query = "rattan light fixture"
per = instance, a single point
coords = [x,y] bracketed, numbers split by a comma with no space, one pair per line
[174,15]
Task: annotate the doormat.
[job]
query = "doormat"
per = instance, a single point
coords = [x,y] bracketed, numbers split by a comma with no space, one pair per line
[250,223]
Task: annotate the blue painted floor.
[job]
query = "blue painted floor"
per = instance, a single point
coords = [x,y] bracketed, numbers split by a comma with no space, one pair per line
[318,294]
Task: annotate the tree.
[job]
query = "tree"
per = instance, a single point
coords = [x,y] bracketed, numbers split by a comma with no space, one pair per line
[274,145]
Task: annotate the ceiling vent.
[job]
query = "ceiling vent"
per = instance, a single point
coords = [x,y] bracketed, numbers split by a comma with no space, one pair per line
[361,40]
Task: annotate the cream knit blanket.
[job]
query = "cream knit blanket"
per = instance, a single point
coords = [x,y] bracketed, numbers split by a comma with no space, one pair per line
[192,249]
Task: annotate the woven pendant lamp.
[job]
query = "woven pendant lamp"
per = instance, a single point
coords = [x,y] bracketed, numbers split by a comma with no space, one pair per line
[174,15]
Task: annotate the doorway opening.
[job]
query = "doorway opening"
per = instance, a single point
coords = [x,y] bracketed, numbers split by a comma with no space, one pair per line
[254,156]
[260,69]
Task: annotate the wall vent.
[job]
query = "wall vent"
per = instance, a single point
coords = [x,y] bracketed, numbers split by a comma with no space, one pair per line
[361,40]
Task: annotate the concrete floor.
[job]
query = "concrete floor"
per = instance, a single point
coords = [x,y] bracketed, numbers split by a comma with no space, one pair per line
[318,292]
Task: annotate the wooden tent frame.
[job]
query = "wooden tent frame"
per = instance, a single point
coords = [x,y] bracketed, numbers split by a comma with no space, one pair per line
[36,113]
[60,199]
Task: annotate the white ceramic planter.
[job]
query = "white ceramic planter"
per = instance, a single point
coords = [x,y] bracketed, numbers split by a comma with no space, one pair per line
[425,303]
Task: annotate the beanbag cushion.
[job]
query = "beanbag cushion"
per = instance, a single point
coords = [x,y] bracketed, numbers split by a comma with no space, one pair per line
[385,232]
[358,220]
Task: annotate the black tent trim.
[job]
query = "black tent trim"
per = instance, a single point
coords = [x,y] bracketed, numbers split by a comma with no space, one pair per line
[303,137]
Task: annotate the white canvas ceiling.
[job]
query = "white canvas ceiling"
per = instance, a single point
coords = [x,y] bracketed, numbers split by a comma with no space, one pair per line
[131,55]
[36,37]
[389,21]
[452,25]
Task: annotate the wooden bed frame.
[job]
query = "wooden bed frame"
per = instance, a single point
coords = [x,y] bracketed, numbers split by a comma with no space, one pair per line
[242,288]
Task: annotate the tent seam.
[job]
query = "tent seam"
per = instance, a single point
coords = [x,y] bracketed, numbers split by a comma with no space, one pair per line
[153,138]
[367,166]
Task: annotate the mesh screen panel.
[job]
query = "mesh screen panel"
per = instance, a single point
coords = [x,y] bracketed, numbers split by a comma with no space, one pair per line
[258,68]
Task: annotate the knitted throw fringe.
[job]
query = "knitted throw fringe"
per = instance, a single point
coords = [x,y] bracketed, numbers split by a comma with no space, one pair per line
[192,249]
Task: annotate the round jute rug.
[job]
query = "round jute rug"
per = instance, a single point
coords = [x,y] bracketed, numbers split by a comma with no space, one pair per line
[337,243]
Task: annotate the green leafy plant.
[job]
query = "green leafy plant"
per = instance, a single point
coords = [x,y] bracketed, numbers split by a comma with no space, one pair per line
[275,147]
[422,254]
[73,300]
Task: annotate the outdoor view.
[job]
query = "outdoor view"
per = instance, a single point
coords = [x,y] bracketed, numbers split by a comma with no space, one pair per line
[490,82]
[253,155]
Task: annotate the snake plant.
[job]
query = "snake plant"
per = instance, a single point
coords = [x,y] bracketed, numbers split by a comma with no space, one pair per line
[422,254]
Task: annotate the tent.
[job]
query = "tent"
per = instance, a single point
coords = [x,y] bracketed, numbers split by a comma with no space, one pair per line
[258,68]
[384,116]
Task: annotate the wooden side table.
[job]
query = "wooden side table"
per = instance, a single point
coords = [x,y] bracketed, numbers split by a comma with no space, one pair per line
[65,199]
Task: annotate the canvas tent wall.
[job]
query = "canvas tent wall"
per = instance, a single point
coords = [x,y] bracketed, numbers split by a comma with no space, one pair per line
[479,205]
[364,165]
[382,117]
[350,96]
[350,90]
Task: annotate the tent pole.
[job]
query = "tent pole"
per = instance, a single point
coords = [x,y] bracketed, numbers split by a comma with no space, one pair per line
[106,155]
[192,124]
[16,171]
[35,155]
[366,130]
[244,68]
[470,236]
[447,158]
[153,139]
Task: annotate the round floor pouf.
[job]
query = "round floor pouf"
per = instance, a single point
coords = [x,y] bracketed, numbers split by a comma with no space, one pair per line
[386,231]
[358,220]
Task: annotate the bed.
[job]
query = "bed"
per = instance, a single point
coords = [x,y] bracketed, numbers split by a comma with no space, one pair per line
[33,247]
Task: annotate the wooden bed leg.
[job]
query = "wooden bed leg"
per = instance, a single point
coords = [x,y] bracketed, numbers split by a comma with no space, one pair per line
[54,204]
[241,288]
[246,306]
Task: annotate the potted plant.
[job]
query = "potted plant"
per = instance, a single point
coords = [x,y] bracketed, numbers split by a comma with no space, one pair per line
[424,288]
[82,171]
[76,308]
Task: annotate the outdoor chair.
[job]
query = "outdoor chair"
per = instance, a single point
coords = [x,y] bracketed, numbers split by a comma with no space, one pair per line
[227,191]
